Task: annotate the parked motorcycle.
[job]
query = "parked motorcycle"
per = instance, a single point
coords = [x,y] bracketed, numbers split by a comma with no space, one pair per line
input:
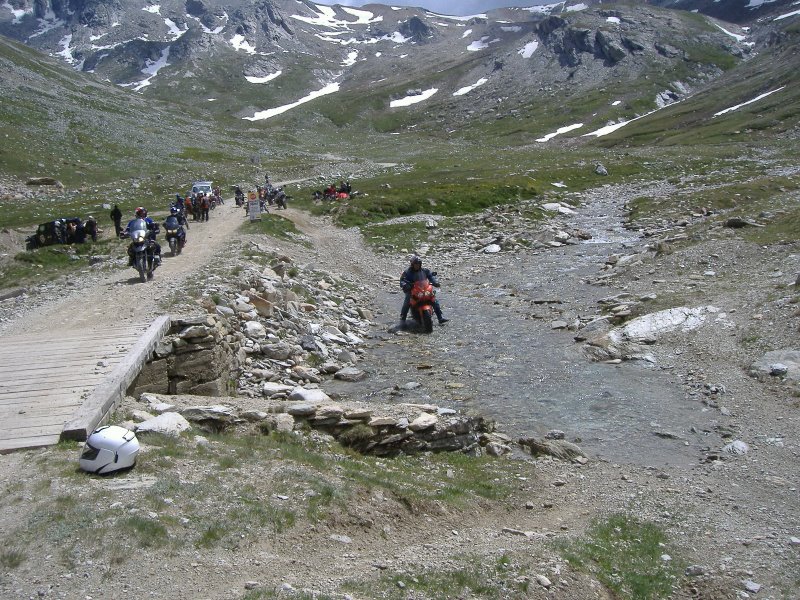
[423,295]
[175,234]
[143,249]
[280,198]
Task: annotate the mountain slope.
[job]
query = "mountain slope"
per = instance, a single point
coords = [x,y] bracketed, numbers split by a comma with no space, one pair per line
[239,60]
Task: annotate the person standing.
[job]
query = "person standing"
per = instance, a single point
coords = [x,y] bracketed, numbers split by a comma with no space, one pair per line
[116,216]
[205,206]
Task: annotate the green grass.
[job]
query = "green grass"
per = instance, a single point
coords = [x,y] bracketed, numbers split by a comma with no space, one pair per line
[469,577]
[53,261]
[273,225]
[145,532]
[625,554]
[11,559]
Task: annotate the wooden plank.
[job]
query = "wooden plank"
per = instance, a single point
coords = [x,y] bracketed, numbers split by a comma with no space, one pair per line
[50,423]
[110,392]
[45,383]
[55,349]
[42,397]
[19,427]
[34,412]
[49,403]
[76,335]
[51,379]
[32,441]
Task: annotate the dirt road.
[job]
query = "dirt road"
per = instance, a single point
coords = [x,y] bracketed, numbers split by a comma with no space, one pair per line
[112,297]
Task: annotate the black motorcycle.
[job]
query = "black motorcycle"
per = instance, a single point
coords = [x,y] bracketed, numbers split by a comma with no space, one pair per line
[143,249]
[280,198]
[176,234]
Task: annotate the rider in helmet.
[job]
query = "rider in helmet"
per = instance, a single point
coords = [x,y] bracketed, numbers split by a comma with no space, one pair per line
[415,272]
[153,228]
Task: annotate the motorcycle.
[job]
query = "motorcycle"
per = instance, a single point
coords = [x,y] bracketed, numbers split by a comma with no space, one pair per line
[239,198]
[280,198]
[143,249]
[423,295]
[175,234]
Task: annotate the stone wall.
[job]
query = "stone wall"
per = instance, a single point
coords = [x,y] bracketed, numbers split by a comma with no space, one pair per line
[199,355]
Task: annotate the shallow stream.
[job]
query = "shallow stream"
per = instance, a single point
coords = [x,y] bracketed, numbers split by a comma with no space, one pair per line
[499,355]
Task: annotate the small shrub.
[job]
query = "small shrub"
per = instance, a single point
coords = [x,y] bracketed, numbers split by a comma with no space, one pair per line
[11,559]
[147,532]
[356,437]
[625,554]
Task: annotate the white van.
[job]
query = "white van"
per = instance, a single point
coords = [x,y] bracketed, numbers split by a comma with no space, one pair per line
[201,187]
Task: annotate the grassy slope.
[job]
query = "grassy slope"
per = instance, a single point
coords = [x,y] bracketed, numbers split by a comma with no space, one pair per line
[86,132]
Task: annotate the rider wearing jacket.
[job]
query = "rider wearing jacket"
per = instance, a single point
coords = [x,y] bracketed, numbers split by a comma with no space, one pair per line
[414,273]
[152,227]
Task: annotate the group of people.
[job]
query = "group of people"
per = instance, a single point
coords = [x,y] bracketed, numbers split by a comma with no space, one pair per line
[415,271]
[332,192]
[77,231]
[199,205]
[177,212]
[68,230]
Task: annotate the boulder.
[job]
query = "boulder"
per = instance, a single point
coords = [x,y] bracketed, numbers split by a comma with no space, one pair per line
[309,395]
[171,424]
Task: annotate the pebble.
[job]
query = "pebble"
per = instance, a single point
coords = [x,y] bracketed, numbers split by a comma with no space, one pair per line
[751,586]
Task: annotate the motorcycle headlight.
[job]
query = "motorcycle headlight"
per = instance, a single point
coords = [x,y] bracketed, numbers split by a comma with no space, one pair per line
[172,231]
[139,235]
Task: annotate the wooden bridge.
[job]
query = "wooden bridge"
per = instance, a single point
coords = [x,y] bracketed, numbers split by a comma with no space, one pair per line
[61,385]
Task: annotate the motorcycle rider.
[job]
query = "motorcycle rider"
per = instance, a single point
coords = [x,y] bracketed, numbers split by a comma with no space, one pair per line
[176,220]
[152,227]
[415,272]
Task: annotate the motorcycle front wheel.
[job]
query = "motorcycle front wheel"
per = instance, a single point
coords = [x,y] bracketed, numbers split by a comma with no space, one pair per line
[141,267]
[427,321]
[173,246]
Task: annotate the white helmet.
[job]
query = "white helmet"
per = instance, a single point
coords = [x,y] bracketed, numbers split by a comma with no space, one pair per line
[109,448]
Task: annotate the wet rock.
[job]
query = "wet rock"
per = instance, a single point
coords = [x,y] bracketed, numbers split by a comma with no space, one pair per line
[556,448]
[351,374]
[309,395]
[736,448]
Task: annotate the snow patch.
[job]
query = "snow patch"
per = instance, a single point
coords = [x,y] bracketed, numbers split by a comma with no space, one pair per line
[17,12]
[575,7]
[152,68]
[735,36]
[756,99]
[469,88]
[266,114]
[414,98]
[265,79]
[528,50]
[479,45]
[559,131]
[351,59]
[239,43]
[787,15]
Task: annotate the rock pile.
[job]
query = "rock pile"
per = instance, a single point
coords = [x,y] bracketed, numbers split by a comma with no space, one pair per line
[397,429]
[274,338]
